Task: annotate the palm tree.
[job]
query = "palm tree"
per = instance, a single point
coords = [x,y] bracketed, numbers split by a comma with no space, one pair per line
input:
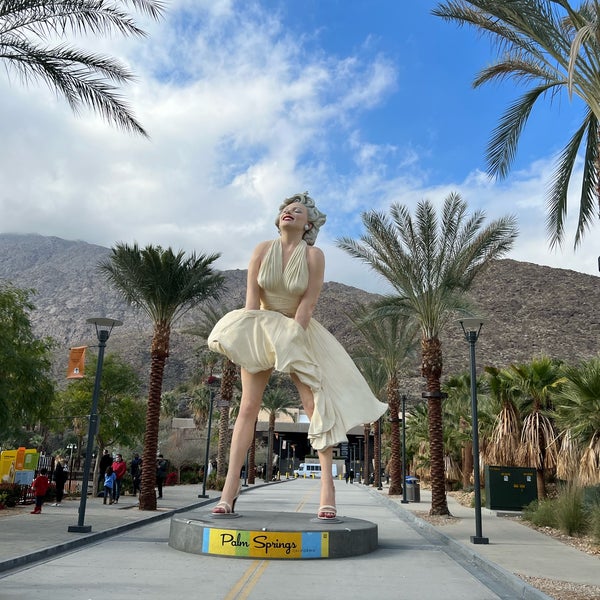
[552,47]
[165,285]
[229,375]
[578,416]
[390,347]
[505,439]
[81,77]
[431,265]
[537,382]
[276,400]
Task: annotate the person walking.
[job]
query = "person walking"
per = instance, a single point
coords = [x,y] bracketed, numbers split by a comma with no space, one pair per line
[40,486]
[60,476]
[136,473]
[110,484]
[106,460]
[119,467]
[161,474]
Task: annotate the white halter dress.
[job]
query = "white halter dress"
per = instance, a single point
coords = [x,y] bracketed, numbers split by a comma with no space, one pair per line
[270,338]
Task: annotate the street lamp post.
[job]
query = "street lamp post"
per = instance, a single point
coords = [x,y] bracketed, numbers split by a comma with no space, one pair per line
[207,452]
[103,330]
[404,498]
[471,329]
[71,447]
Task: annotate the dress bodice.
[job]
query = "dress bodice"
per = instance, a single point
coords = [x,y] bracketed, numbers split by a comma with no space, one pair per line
[281,289]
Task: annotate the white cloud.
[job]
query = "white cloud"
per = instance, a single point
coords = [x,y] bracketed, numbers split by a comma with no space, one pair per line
[240,115]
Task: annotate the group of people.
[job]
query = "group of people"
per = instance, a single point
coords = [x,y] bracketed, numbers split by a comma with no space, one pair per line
[115,469]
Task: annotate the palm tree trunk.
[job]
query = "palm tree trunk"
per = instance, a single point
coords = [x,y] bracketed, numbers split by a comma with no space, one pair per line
[395,460]
[377,452]
[227,383]
[269,469]
[252,460]
[157,368]
[431,369]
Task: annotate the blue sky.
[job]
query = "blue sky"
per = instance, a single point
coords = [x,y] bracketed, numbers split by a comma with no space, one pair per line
[360,102]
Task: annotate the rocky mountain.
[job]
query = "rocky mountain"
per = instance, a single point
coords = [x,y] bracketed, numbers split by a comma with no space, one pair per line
[528,310]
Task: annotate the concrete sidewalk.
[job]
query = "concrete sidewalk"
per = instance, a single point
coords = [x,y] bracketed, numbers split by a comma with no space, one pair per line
[413,560]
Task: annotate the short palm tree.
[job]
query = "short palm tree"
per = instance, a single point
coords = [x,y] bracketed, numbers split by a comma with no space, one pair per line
[505,439]
[165,285]
[211,313]
[81,77]
[431,264]
[536,383]
[550,46]
[276,400]
[577,414]
[390,343]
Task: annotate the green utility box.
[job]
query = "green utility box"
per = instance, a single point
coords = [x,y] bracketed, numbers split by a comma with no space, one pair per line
[509,488]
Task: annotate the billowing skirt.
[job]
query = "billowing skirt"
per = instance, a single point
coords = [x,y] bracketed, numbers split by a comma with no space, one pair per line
[259,340]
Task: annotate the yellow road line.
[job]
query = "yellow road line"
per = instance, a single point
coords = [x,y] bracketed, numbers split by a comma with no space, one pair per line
[247,581]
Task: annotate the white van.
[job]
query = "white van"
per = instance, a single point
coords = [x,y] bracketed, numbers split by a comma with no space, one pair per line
[312,470]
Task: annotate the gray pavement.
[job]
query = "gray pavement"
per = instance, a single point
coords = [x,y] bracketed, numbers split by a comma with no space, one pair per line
[127,555]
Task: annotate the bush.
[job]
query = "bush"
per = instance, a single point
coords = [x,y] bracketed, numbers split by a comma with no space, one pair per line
[594,521]
[541,513]
[12,493]
[569,510]
[190,477]
[215,483]
[171,478]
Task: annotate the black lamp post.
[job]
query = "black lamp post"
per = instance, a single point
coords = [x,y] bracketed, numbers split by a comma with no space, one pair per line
[103,330]
[404,499]
[70,448]
[471,328]
[207,452]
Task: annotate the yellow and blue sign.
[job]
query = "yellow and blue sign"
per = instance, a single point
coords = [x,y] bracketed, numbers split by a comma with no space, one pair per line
[266,544]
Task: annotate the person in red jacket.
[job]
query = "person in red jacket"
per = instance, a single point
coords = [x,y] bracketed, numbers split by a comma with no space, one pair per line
[40,486]
[119,468]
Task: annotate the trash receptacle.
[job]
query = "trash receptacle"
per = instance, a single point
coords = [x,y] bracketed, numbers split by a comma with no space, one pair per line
[413,488]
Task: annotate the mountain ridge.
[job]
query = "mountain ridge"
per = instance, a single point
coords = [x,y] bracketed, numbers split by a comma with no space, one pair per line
[528,310]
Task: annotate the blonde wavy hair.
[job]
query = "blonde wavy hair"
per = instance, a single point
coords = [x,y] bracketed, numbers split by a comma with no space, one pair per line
[315,217]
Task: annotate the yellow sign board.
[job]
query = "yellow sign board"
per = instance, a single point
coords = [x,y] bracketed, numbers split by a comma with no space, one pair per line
[266,544]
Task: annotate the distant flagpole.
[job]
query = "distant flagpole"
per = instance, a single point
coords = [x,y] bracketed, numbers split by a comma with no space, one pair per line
[76,363]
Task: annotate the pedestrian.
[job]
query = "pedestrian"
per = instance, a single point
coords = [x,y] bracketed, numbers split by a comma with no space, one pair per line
[161,474]
[347,475]
[136,472]
[119,467]
[40,487]
[351,476]
[106,460]
[60,476]
[275,330]
[110,485]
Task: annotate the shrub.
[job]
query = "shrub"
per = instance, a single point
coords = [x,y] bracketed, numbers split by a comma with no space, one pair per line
[594,521]
[541,513]
[171,478]
[569,510]
[215,483]
[12,492]
[190,477]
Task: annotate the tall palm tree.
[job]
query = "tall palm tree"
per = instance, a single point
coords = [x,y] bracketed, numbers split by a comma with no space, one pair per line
[390,342]
[276,400]
[165,285]
[431,264]
[550,46]
[80,76]
[578,416]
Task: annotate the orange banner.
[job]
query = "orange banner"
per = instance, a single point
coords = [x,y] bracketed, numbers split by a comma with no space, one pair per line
[76,363]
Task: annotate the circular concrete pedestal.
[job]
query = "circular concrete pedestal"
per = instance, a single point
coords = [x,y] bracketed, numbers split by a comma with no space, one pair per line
[258,534]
